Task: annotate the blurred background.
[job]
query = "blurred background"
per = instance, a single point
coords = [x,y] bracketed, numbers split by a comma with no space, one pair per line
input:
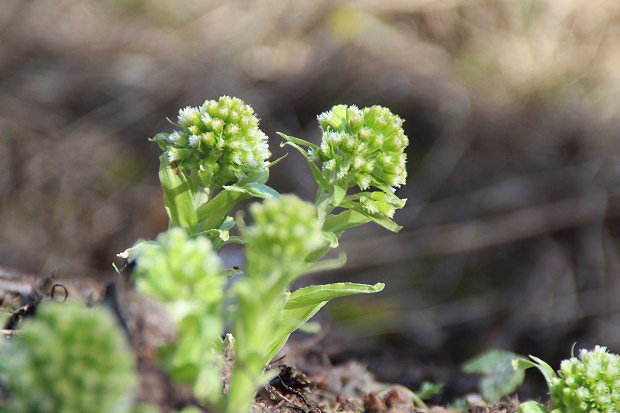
[512,228]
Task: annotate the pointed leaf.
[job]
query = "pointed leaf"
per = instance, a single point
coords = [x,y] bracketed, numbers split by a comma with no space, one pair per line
[343,221]
[304,303]
[261,191]
[318,293]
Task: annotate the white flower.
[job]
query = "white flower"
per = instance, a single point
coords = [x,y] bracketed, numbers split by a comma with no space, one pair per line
[194,140]
[187,115]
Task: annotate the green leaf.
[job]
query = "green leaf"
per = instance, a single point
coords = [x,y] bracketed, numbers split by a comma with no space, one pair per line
[376,218]
[319,177]
[262,191]
[178,196]
[499,377]
[213,214]
[343,221]
[532,407]
[304,303]
[318,293]
[546,370]
[355,217]
[429,389]
[331,239]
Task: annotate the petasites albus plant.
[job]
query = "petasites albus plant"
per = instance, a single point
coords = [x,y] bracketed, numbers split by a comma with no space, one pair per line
[585,384]
[216,157]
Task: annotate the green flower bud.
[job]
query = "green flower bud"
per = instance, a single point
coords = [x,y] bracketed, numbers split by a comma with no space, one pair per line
[187,276]
[381,203]
[69,359]
[589,383]
[176,267]
[363,147]
[219,141]
[284,232]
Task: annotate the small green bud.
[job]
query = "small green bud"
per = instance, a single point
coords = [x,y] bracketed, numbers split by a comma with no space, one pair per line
[588,383]
[219,141]
[362,147]
[69,358]
[284,232]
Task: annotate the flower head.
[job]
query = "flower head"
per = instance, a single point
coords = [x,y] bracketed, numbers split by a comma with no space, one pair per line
[220,141]
[588,383]
[69,359]
[284,232]
[363,147]
[177,268]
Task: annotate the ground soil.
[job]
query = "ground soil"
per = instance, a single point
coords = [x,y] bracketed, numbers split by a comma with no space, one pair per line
[307,380]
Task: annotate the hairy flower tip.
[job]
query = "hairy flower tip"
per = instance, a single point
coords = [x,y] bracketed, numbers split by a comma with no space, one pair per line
[220,140]
[69,358]
[588,383]
[363,147]
[177,268]
[285,229]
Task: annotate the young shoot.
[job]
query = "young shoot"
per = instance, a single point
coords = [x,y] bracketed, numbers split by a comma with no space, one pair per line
[217,158]
[584,384]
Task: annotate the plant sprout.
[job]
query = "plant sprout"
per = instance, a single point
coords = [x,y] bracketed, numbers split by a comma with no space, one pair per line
[584,384]
[218,157]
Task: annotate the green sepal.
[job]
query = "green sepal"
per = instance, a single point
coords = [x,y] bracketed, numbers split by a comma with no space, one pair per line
[161,139]
[178,196]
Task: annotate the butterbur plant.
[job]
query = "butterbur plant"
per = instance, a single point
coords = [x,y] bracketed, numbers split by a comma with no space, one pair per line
[584,384]
[68,359]
[218,157]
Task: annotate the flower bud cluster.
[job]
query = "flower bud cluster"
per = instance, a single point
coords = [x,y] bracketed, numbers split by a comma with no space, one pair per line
[363,147]
[69,359]
[220,141]
[284,230]
[589,383]
[381,203]
[176,267]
